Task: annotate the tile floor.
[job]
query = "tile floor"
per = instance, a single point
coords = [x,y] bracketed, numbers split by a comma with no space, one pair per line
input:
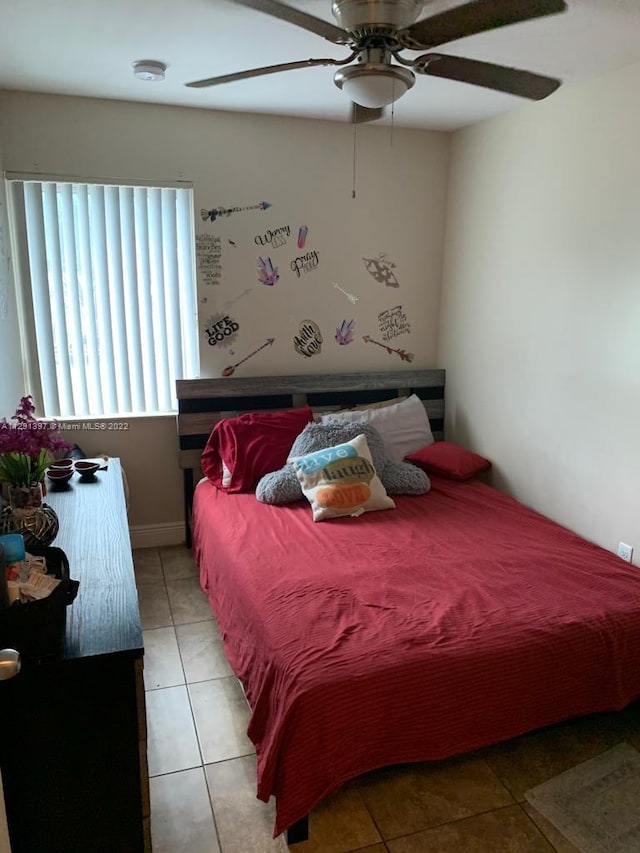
[202,766]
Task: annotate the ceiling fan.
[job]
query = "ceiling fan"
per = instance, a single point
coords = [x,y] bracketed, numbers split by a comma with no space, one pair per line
[377,31]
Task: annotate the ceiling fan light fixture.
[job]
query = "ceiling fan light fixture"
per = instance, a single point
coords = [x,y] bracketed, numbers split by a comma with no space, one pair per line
[149,70]
[374,85]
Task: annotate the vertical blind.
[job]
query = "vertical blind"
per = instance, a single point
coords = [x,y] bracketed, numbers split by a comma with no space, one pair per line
[112,315]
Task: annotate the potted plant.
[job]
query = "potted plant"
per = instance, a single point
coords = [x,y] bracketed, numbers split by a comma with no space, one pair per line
[27,447]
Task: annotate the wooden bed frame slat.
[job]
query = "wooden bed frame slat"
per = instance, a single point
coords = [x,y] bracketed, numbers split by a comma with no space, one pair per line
[265,385]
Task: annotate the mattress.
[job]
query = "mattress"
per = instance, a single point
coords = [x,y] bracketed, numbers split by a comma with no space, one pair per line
[457,620]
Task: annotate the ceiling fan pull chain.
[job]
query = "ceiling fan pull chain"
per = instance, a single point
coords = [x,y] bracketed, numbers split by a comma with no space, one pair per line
[393,110]
[353,185]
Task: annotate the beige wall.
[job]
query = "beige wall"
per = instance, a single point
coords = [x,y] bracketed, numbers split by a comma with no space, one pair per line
[304,168]
[540,323]
[148,451]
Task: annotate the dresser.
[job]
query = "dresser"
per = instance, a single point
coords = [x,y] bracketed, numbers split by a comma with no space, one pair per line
[73,732]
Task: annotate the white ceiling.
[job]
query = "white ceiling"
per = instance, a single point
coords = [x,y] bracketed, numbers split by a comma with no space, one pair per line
[86,47]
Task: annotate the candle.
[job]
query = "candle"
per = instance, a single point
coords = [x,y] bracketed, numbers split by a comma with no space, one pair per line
[14,551]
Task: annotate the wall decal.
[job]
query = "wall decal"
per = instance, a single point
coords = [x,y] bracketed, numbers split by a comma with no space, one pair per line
[393,322]
[222,330]
[302,236]
[344,332]
[267,273]
[231,302]
[228,371]
[353,299]
[309,339]
[381,268]
[274,237]
[305,263]
[217,212]
[404,355]
[209,257]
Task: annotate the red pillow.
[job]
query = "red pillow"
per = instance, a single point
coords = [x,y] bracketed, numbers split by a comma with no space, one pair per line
[447,459]
[251,446]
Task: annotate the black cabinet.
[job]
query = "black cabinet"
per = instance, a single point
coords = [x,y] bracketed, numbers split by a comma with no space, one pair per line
[73,733]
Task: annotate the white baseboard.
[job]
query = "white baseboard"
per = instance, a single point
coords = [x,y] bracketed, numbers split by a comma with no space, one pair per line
[157,535]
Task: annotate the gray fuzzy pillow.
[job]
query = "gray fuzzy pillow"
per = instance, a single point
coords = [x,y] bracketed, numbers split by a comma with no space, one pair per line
[398,478]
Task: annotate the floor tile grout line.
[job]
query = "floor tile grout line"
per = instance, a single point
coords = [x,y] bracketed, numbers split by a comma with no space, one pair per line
[195,726]
[371,815]
[215,678]
[187,683]
[163,686]
[191,711]
[193,716]
[153,627]
[138,581]
[540,830]
[162,565]
[449,822]
[198,621]
[212,807]
[498,779]
[232,758]
[173,772]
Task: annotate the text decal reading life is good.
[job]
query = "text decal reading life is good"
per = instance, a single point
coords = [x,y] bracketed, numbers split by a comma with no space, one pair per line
[221,330]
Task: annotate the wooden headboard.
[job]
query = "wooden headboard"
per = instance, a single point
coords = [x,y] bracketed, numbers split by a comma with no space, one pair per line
[203,402]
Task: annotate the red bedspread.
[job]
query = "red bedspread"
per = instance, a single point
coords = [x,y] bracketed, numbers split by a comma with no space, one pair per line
[457,620]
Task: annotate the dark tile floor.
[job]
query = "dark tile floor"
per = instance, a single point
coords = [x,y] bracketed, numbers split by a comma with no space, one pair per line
[202,765]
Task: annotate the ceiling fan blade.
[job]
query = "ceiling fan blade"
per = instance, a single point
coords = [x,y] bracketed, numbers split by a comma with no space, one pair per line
[475,17]
[499,77]
[260,72]
[300,19]
[361,115]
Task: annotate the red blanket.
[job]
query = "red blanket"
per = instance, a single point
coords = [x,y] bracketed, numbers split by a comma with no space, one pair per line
[457,620]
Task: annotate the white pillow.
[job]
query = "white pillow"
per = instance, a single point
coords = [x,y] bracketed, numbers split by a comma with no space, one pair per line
[404,427]
[341,480]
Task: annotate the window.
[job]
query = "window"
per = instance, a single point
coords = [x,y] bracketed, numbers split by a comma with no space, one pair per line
[109,319]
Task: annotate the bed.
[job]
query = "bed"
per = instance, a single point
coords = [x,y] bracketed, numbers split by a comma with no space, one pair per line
[459,619]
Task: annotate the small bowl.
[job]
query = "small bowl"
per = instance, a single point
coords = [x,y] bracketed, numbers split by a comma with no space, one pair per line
[59,476]
[86,469]
[66,464]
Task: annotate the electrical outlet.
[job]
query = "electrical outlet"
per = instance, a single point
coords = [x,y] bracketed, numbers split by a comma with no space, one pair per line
[625,551]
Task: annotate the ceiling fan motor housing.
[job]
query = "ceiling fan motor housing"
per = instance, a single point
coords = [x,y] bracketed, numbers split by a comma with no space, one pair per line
[357,15]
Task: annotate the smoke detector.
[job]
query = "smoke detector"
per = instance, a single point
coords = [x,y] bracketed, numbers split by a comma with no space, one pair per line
[149,70]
